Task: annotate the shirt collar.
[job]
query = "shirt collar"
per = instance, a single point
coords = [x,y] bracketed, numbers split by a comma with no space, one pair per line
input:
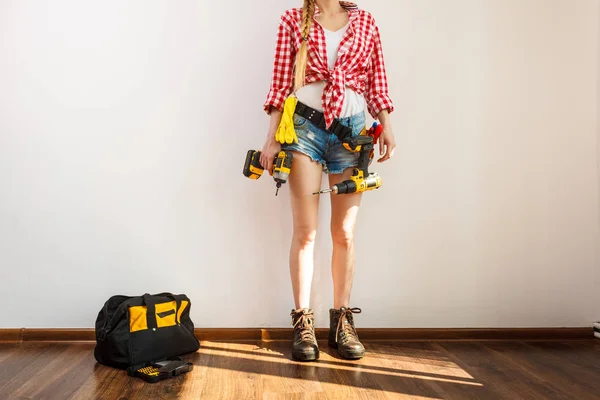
[352,8]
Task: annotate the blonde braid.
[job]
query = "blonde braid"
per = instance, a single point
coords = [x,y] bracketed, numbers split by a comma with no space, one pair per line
[308,12]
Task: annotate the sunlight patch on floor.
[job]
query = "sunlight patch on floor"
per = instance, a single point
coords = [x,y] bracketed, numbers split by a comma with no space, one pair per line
[408,368]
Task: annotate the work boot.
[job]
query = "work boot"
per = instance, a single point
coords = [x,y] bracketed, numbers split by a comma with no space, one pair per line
[304,342]
[342,333]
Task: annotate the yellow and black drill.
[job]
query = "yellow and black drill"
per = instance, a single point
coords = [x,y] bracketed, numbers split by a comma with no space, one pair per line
[361,180]
[281,167]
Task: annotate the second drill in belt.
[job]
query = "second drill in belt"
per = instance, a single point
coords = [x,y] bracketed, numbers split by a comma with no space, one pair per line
[361,180]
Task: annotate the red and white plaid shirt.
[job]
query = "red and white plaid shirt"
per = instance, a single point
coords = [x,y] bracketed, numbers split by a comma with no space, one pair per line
[359,66]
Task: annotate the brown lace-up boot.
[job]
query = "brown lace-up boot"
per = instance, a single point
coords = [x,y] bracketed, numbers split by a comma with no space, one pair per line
[304,342]
[342,333]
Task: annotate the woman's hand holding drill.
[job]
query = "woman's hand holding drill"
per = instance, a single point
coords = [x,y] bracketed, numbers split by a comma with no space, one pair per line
[271,147]
[268,153]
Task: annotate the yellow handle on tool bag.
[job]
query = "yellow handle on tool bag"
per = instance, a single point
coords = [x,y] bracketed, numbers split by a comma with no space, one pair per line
[285,132]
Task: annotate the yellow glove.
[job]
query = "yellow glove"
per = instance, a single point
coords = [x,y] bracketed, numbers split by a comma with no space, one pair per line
[285,132]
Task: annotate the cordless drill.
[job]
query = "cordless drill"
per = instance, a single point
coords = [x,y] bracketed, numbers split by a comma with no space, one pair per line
[361,180]
[281,167]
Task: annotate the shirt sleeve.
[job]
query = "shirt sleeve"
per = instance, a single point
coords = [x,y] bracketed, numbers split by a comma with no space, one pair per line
[283,66]
[376,93]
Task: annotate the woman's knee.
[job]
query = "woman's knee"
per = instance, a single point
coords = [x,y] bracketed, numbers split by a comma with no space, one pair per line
[305,235]
[342,235]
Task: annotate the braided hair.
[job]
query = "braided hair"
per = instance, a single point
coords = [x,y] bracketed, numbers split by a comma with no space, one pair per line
[308,12]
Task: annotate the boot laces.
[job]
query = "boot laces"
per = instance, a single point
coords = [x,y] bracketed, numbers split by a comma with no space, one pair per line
[345,327]
[305,324]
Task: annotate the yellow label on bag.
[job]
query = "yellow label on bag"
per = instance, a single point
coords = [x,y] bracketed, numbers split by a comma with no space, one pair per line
[137,318]
[166,314]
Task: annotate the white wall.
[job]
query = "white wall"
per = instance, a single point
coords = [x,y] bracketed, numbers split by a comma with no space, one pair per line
[123,128]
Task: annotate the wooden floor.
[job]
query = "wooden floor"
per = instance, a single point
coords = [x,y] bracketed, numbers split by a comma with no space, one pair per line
[408,370]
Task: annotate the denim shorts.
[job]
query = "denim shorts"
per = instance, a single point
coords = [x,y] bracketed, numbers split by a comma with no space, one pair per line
[324,147]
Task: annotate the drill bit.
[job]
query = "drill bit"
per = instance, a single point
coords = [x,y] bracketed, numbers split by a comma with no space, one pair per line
[324,191]
[278,186]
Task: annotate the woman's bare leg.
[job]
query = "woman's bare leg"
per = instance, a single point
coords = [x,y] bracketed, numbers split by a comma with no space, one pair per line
[304,180]
[344,210]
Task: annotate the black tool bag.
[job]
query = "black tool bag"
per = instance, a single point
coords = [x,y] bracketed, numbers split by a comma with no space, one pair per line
[131,331]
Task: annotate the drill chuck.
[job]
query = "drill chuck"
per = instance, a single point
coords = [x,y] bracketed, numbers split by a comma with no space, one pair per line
[280,176]
[345,187]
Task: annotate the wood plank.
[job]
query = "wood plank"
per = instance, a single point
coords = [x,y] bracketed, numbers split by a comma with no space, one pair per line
[7,349]
[197,377]
[570,376]
[578,353]
[295,396]
[331,375]
[21,365]
[502,378]
[283,376]
[349,381]
[62,376]
[230,376]
[420,371]
[102,383]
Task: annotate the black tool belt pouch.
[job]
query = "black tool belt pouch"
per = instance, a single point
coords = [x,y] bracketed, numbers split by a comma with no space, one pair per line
[318,119]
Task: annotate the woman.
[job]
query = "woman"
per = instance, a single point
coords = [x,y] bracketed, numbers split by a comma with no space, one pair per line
[329,56]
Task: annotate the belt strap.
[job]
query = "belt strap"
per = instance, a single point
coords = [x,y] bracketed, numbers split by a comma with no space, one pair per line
[318,119]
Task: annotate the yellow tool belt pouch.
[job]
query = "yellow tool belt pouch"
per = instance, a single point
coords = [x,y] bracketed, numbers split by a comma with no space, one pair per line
[285,132]
[142,329]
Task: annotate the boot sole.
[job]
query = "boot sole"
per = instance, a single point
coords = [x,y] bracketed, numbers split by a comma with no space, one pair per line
[305,356]
[348,355]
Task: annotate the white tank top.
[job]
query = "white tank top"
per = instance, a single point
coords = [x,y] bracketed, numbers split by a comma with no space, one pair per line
[311,94]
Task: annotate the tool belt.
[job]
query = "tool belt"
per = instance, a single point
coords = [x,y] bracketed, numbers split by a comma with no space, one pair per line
[318,119]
